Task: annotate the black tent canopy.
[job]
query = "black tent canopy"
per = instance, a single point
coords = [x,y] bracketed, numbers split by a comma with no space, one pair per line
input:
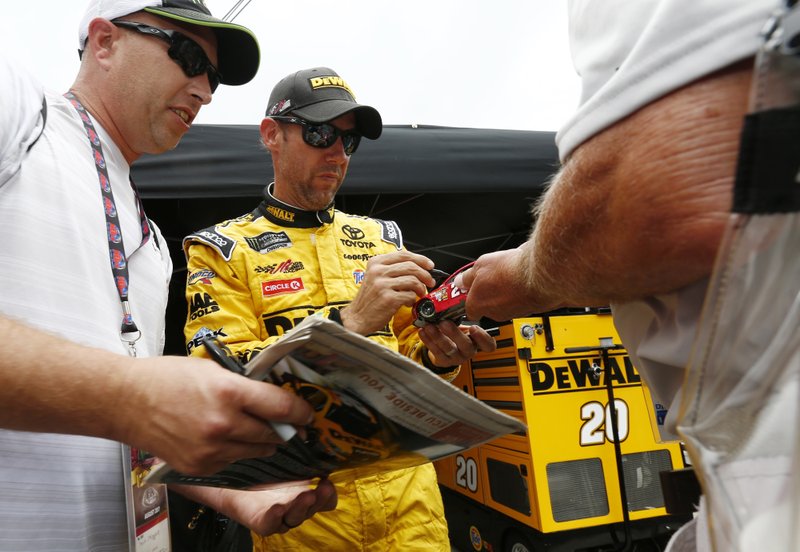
[455,192]
[229,161]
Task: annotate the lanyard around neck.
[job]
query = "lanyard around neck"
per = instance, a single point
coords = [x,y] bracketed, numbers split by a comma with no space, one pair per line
[129,332]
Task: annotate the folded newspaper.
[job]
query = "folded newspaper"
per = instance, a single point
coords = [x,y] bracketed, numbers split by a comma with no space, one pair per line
[375,410]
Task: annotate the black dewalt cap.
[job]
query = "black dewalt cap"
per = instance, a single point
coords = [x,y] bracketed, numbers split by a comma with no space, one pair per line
[320,95]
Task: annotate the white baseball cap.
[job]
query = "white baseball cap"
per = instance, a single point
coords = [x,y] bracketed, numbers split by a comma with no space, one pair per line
[237,48]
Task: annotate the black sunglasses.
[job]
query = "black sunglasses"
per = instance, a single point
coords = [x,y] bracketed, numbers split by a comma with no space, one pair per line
[324,135]
[183,50]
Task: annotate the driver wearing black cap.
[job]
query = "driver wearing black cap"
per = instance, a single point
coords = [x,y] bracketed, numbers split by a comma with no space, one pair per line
[296,255]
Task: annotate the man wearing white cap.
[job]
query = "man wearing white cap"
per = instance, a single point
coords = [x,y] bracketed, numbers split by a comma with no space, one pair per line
[83,289]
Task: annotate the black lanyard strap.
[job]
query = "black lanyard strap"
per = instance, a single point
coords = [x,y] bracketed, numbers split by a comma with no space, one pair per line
[129,332]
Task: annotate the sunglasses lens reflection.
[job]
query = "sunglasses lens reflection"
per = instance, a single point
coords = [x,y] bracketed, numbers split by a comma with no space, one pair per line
[324,136]
[350,141]
[192,59]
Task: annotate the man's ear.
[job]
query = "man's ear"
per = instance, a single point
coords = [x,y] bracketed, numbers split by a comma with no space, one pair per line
[102,34]
[270,132]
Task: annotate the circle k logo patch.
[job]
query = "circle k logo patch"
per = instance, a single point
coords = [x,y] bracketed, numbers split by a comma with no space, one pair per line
[278,287]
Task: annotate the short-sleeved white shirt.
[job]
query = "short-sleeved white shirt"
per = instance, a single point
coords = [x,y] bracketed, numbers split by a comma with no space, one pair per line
[64,492]
[628,54]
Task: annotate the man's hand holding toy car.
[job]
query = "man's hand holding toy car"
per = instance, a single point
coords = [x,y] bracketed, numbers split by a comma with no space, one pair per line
[438,314]
[400,279]
[496,292]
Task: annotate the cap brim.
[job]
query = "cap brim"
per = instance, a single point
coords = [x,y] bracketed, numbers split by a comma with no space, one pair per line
[238,54]
[368,120]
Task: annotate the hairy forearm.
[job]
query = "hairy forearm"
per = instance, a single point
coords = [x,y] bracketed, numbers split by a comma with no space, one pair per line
[639,209]
[49,384]
[187,411]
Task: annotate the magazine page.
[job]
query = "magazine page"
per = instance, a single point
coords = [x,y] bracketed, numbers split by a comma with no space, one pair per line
[375,410]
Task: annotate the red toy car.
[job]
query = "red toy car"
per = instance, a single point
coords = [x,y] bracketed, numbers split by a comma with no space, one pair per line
[446,302]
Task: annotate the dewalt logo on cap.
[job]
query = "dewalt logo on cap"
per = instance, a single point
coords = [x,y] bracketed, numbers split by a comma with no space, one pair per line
[330,82]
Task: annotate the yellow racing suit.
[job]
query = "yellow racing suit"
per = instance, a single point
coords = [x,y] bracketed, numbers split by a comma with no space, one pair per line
[251,279]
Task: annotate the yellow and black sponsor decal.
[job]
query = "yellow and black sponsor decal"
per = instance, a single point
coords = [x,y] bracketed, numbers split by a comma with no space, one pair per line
[332,81]
[279,322]
[281,214]
[202,304]
[578,374]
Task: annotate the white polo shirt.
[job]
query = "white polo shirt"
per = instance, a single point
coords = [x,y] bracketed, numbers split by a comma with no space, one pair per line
[65,492]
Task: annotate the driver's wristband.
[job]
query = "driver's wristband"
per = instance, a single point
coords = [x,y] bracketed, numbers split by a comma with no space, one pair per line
[335,315]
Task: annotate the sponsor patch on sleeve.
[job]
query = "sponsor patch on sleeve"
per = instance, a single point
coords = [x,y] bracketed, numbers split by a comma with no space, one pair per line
[390,233]
[197,339]
[202,304]
[202,276]
[212,237]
